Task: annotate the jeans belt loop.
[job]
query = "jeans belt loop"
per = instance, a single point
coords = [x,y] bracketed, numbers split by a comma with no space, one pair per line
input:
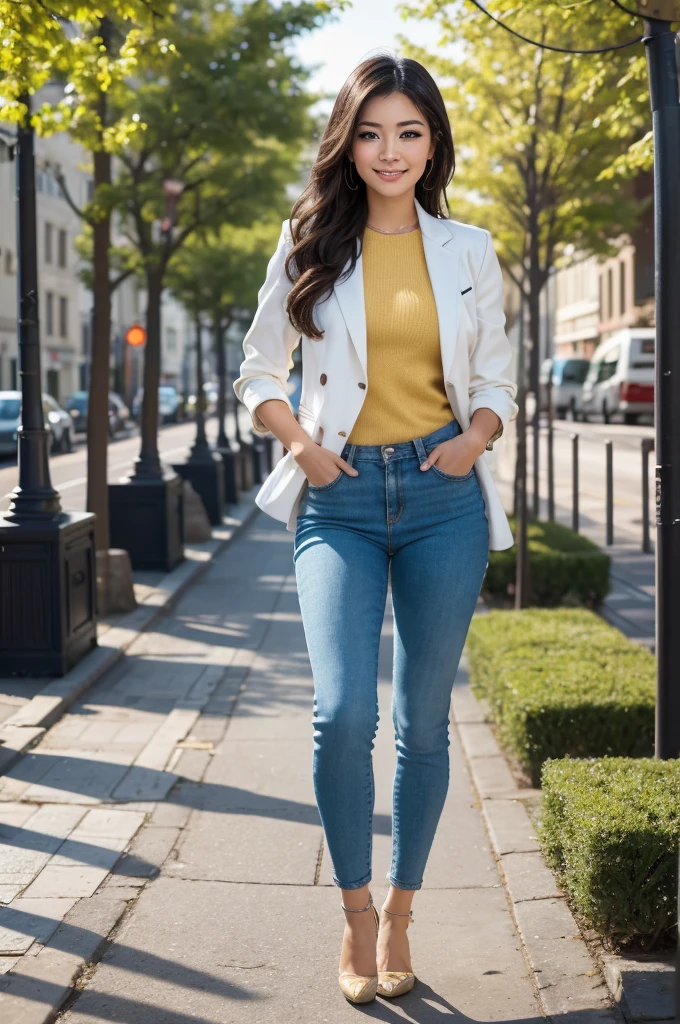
[420,449]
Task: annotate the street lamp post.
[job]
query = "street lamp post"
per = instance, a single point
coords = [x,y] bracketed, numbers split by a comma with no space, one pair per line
[204,468]
[665,100]
[47,556]
[145,508]
[223,445]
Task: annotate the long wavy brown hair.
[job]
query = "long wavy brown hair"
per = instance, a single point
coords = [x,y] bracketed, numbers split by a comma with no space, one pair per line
[328,219]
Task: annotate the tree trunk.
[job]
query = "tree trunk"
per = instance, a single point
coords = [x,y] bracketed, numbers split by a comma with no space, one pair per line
[221,365]
[98,403]
[148,464]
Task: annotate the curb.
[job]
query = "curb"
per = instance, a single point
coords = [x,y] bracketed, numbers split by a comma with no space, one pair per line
[24,729]
[567,977]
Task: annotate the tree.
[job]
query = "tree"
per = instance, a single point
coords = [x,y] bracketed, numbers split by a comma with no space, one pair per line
[536,134]
[93,55]
[219,273]
[226,120]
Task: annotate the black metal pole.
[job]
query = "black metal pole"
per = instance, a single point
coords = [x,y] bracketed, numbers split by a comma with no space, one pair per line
[521,567]
[647,447]
[574,483]
[609,448]
[200,450]
[221,360]
[34,496]
[665,101]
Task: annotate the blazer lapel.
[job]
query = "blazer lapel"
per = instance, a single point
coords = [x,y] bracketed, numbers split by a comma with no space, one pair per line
[350,295]
[442,255]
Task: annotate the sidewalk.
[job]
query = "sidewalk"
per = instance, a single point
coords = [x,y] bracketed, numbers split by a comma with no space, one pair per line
[173,809]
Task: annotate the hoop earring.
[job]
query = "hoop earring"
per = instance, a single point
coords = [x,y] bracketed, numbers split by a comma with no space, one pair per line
[426,177]
[352,187]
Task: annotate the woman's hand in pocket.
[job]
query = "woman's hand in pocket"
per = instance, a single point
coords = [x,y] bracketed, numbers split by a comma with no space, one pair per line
[319,465]
[456,456]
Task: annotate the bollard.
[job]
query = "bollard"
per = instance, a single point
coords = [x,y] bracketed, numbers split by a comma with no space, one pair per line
[609,448]
[574,482]
[551,471]
[647,447]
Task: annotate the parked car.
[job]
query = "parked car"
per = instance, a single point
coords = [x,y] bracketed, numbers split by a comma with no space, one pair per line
[57,421]
[168,404]
[10,410]
[60,423]
[77,406]
[119,414]
[568,375]
[620,381]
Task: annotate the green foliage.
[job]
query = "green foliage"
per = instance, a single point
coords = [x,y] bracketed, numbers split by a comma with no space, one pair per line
[564,565]
[219,272]
[536,130]
[563,683]
[610,829]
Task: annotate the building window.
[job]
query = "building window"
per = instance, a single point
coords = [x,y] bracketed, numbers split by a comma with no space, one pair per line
[622,287]
[171,337]
[63,317]
[48,242]
[49,313]
[599,297]
[85,338]
[610,292]
[63,239]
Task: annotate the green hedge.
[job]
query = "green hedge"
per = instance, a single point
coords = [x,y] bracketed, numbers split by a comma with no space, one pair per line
[563,683]
[610,829]
[563,564]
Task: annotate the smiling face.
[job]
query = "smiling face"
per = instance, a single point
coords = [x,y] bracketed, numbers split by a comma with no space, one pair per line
[392,144]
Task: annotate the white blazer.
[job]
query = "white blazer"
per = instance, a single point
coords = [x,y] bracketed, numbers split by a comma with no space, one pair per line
[467,285]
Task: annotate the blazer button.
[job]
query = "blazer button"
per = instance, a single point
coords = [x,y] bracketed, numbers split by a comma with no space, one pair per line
[362,385]
[323,378]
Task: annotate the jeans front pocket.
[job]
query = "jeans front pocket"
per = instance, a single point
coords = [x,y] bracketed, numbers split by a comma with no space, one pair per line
[453,476]
[314,488]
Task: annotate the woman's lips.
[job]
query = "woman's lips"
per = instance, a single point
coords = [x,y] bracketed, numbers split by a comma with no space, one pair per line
[390,175]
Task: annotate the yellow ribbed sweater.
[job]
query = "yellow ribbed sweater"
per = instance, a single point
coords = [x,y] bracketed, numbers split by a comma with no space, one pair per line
[406,397]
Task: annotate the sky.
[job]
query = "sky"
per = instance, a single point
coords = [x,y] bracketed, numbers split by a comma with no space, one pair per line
[366,26]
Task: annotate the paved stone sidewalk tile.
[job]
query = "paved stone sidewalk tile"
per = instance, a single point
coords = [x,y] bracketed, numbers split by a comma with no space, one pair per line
[76,880]
[273,847]
[149,850]
[143,784]
[78,777]
[109,823]
[38,985]
[31,920]
[510,826]
[528,878]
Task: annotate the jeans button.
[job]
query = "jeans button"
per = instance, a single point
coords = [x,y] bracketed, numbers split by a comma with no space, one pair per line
[388,451]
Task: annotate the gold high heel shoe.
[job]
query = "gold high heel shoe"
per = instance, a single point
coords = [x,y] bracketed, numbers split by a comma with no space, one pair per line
[359,988]
[396,983]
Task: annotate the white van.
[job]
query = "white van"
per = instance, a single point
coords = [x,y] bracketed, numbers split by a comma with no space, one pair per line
[620,381]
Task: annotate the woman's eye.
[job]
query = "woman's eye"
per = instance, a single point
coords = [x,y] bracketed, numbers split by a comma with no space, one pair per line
[364,135]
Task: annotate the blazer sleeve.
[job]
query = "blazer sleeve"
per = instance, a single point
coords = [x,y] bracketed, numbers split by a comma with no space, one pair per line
[270,340]
[491,357]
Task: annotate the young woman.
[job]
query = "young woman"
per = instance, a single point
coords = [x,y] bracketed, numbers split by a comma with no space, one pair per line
[404,389]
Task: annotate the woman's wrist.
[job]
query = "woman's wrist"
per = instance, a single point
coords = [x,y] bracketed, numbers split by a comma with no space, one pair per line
[476,437]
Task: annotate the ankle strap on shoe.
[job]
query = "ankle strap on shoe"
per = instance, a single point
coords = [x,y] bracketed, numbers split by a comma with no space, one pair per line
[394,913]
[361,909]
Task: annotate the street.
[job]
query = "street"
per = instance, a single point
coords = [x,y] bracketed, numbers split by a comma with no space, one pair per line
[69,472]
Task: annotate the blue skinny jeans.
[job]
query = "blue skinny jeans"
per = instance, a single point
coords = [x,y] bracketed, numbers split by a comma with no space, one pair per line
[425,532]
